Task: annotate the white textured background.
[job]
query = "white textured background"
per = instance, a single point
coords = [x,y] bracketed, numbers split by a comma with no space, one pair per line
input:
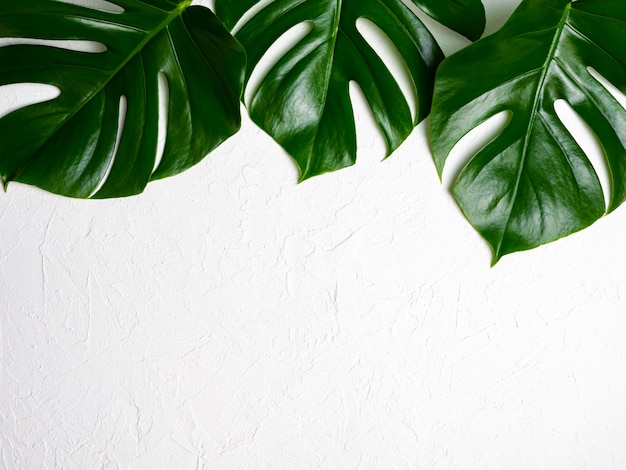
[229,318]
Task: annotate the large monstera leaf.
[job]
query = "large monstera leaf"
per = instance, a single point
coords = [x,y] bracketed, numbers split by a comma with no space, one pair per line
[303,102]
[71,145]
[532,183]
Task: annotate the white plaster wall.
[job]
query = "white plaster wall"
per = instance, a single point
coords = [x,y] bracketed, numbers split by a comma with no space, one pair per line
[229,318]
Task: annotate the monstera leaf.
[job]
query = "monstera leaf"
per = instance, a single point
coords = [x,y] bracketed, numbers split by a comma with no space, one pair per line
[532,183]
[72,145]
[463,16]
[303,102]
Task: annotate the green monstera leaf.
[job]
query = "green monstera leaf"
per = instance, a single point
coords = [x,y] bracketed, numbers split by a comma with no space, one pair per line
[84,143]
[303,102]
[532,183]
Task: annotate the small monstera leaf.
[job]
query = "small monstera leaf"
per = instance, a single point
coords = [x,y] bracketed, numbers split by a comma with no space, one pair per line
[463,16]
[303,102]
[71,145]
[532,183]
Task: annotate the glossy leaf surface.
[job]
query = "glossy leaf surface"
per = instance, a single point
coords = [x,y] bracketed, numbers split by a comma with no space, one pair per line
[532,183]
[303,102]
[71,145]
[466,17]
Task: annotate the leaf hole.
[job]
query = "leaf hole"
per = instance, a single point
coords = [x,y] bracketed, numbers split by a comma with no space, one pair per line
[368,134]
[449,40]
[19,95]
[92,47]
[101,5]
[612,89]
[282,46]
[497,15]
[164,102]
[391,57]
[588,142]
[123,106]
[472,143]
[250,13]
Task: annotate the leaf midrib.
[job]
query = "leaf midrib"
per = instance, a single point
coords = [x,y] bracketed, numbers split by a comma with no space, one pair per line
[533,116]
[328,72]
[175,13]
[331,63]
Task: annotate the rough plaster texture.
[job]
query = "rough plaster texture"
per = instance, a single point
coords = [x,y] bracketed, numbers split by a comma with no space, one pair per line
[232,319]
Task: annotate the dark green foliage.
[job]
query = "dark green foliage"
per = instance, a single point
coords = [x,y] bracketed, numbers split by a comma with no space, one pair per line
[67,145]
[530,185]
[533,184]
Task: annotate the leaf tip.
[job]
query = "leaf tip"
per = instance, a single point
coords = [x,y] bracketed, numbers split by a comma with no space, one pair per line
[498,252]
[494,260]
